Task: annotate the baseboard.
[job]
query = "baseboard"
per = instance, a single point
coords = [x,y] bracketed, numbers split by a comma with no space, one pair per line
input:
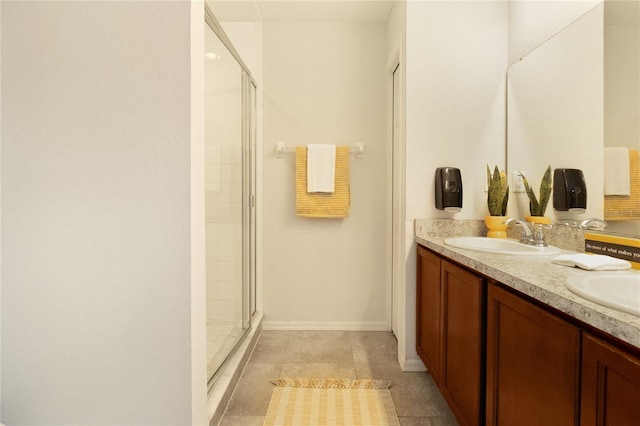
[326,325]
[412,365]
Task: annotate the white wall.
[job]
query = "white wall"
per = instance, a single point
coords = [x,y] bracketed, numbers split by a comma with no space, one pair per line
[325,83]
[0,214]
[198,261]
[455,99]
[456,62]
[96,306]
[396,23]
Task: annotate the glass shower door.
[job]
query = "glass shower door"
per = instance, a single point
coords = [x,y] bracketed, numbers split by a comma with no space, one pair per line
[227,214]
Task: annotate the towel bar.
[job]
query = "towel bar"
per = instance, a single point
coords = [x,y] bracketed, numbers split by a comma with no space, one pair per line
[281,150]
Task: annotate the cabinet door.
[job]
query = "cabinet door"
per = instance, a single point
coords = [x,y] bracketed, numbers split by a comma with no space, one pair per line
[428,311]
[610,384]
[462,334]
[533,364]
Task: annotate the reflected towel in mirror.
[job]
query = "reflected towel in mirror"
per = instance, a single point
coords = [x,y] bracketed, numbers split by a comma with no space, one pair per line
[616,172]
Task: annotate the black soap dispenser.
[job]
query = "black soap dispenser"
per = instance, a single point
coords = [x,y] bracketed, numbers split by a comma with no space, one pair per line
[448,189]
[569,191]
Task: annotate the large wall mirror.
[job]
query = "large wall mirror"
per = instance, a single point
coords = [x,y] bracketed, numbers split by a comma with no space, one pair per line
[570,99]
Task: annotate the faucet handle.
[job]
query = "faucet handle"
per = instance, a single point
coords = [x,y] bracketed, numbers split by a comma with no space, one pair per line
[593,224]
[538,234]
[566,223]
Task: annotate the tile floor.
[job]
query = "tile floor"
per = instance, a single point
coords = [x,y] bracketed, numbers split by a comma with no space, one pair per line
[348,354]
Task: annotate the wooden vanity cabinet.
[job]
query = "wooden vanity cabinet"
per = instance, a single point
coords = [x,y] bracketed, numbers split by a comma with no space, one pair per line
[533,363]
[462,379]
[500,358]
[450,324]
[610,384]
[428,342]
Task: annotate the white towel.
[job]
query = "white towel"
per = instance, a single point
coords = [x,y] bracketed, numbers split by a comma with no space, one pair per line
[592,262]
[617,177]
[321,168]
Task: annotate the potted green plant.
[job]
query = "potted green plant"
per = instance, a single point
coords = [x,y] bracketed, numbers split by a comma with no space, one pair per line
[537,207]
[497,199]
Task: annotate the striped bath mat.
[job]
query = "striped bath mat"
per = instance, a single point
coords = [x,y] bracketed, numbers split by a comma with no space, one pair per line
[320,402]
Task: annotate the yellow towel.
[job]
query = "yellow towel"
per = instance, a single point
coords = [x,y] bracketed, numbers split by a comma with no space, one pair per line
[332,205]
[621,207]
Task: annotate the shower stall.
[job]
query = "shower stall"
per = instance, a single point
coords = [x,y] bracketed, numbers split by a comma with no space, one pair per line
[230,134]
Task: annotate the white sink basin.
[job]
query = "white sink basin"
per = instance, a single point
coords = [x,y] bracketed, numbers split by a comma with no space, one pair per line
[618,290]
[500,246]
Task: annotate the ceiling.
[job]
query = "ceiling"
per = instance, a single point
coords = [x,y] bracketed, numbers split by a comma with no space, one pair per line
[301,10]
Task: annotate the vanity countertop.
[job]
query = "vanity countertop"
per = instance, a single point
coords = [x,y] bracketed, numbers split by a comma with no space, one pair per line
[542,280]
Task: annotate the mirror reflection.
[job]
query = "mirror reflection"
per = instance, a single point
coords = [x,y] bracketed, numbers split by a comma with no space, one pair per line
[574,98]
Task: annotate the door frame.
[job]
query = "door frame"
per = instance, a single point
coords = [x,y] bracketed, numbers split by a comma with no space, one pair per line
[396,217]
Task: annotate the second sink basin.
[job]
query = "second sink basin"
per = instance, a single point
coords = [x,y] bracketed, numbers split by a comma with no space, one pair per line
[500,246]
[618,290]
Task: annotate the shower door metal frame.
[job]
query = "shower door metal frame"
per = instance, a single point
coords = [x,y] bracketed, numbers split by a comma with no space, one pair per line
[249,88]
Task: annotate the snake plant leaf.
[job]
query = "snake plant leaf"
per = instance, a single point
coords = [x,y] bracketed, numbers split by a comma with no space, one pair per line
[533,201]
[505,201]
[545,190]
[498,192]
[536,207]
[488,177]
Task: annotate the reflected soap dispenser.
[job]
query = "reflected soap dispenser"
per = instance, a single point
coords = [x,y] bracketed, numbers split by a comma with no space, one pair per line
[569,191]
[448,189]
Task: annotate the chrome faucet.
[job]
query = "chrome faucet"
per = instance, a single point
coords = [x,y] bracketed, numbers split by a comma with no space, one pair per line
[593,224]
[526,237]
[532,233]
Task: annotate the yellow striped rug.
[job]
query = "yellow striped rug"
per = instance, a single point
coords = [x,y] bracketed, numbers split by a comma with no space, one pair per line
[324,402]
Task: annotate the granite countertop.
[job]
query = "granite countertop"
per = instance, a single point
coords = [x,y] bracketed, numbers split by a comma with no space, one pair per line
[536,277]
